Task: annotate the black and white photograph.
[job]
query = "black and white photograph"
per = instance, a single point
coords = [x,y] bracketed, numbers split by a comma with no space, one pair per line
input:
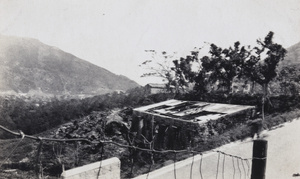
[149,89]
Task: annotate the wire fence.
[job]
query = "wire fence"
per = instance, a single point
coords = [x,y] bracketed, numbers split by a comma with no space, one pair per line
[240,166]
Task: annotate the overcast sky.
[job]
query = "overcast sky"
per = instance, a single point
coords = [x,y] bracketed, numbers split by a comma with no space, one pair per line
[115,34]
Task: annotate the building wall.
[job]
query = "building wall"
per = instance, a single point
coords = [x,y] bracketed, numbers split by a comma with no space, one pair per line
[183,170]
[157,90]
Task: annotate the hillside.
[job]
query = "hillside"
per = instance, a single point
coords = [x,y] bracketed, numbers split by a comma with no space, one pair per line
[292,56]
[29,66]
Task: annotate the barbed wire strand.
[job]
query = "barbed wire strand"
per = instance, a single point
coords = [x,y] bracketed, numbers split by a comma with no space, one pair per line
[175,164]
[149,170]
[151,150]
[13,150]
[239,169]
[39,166]
[132,160]
[101,158]
[235,156]
[191,171]
[56,151]
[248,164]
[121,145]
[62,149]
[223,169]
[233,167]
[218,165]
[76,155]
[200,166]
[244,168]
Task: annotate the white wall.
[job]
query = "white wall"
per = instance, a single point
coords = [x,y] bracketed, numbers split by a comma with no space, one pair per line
[110,169]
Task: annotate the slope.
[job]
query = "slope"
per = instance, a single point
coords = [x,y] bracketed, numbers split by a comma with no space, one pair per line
[28,65]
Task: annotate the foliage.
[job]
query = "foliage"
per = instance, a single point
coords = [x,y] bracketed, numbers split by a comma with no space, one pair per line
[264,70]
[33,116]
[221,66]
[289,80]
[184,70]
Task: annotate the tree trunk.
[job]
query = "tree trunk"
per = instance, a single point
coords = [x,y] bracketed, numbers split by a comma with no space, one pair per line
[228,85]
[252,87]
[265,93]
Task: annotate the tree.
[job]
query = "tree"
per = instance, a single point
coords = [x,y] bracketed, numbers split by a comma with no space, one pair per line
[261,67]
[186,69]
[177,73]
[160,66]
[223,65]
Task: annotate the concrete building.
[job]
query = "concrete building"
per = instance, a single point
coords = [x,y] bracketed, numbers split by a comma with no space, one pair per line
[176,121]
[156,88]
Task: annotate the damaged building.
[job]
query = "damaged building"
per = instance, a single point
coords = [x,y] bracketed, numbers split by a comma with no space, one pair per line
[174,124]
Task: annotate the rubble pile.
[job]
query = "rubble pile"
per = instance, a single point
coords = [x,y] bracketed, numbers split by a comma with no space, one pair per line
[90,127]
[99,125]
[96,126]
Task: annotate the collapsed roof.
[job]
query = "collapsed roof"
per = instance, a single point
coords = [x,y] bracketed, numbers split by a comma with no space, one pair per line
[191,111]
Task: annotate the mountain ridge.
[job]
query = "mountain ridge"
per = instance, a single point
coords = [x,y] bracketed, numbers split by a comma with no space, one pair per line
[29,65]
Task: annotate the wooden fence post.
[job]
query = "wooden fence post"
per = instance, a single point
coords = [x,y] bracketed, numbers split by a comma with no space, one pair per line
[259,159]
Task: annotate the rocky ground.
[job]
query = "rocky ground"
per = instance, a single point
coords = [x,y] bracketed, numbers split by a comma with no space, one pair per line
[94,127]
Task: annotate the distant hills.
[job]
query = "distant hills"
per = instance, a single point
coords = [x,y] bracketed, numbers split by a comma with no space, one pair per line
[29,66]
[292,56]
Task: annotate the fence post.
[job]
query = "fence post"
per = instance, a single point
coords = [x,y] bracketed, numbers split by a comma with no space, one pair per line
[259,159]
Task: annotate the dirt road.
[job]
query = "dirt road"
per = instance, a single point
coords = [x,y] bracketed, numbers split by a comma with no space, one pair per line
[283,156]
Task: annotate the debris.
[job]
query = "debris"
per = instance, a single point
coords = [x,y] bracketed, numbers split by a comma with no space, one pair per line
[10,171]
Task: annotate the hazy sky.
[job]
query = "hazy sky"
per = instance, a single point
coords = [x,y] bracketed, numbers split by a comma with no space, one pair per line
[114,34]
